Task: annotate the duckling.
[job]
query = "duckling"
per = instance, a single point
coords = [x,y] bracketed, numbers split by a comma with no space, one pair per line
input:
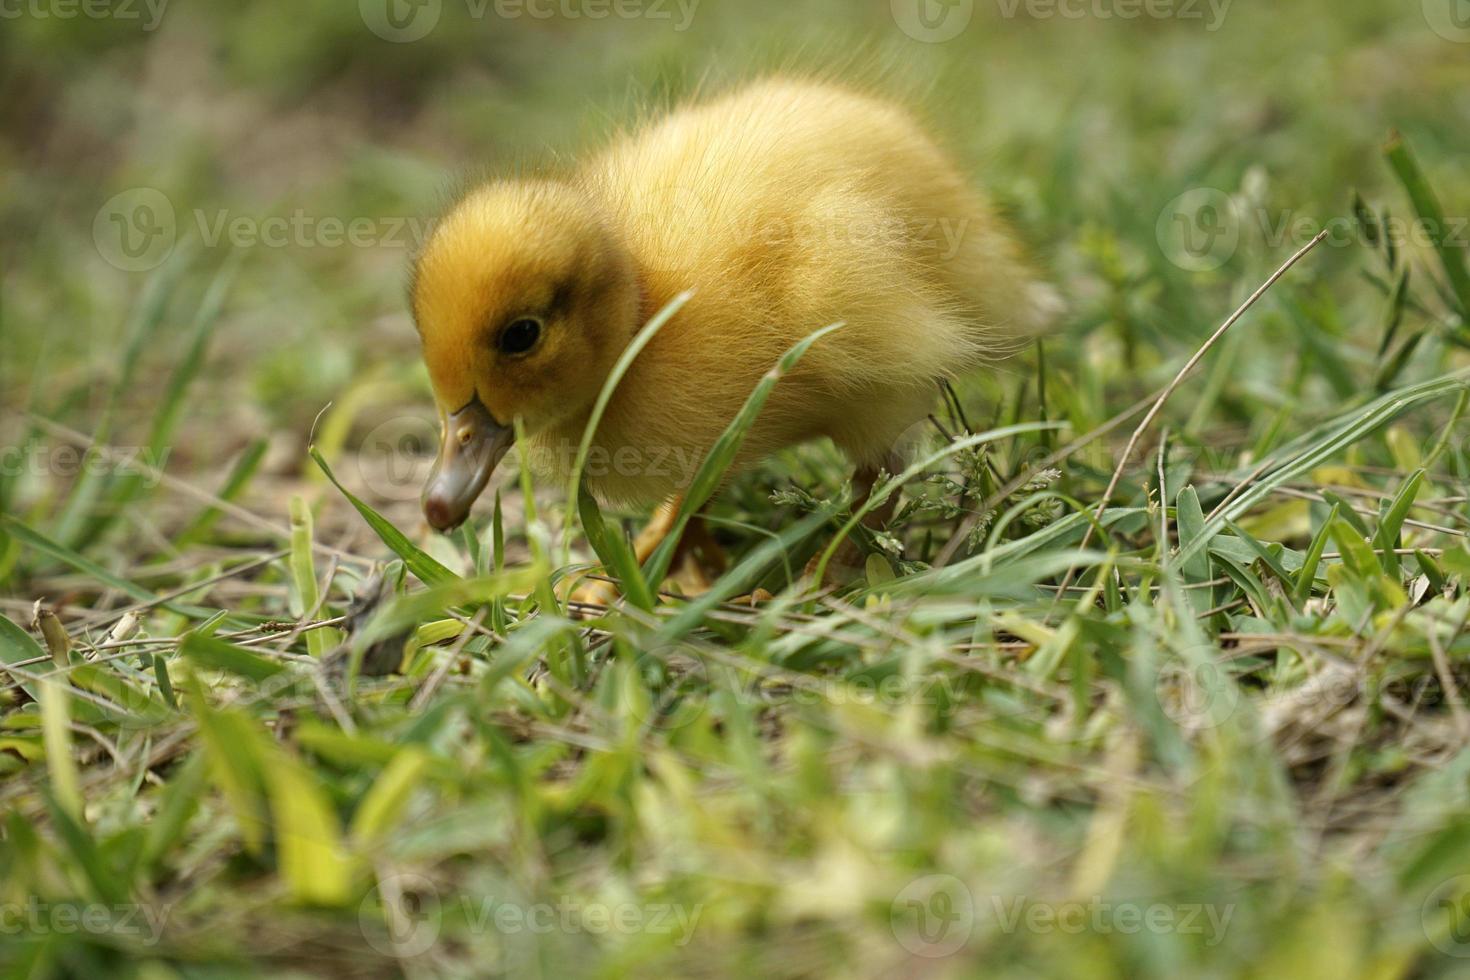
[783,206]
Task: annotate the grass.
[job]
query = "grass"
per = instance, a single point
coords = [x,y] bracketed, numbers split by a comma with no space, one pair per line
[1121,694]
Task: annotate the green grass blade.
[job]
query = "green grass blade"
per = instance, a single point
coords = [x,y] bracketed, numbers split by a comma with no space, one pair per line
[1452,254]
[310,851]
[1308,574]
[1055,535]
[1357,553]
[129,486]
[620,368]
[743,576]
[144,322]
[1271,559]
[722,454]
[84,852]
[408,611]
[425,567]
[177,802]
[383,804]
[498,621]
[120,701]
[55,703]
[206,318]
[893,484]
[229,743]
[212,654]
[30,537]
[614,551]
[305,595]
[1386,538]
[1346,512]
[19,647]
[1189,518]
[1319,445]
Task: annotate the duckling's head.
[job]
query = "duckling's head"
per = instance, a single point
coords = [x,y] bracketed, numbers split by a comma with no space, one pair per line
[524,298]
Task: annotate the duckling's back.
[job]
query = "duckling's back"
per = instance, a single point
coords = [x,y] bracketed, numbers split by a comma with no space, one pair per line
[789,205]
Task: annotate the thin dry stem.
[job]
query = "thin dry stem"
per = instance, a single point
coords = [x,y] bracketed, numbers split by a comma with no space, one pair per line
[1172,386]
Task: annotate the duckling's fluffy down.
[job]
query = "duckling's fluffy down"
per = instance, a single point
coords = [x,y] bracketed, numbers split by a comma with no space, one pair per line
[787,206]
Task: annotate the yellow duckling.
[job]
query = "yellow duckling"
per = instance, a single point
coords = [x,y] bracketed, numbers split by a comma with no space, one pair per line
[784,206]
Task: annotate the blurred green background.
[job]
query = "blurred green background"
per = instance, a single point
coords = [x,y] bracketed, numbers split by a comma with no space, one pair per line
[1084,127]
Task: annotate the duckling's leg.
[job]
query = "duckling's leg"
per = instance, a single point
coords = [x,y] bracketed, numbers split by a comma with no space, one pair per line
[657,528]
[698,558]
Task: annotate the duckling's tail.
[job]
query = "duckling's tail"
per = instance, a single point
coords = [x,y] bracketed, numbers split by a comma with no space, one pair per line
[1001,293]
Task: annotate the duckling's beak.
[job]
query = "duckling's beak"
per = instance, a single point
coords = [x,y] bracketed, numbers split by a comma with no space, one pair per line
[472,444]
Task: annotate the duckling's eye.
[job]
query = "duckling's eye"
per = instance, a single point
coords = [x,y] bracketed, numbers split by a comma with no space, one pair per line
[519,336]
